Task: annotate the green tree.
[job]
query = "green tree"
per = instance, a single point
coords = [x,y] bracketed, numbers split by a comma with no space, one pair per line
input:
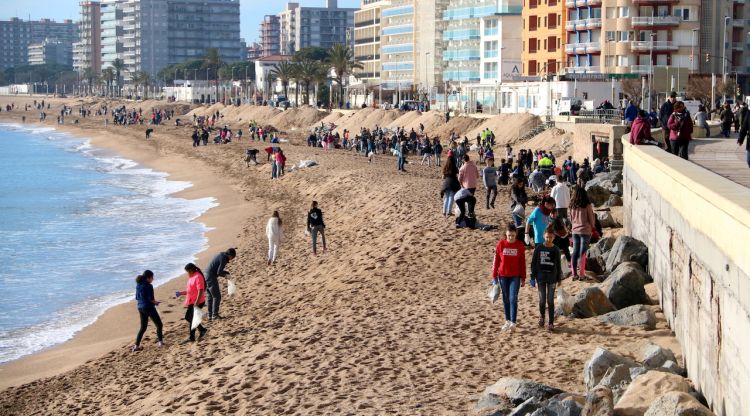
[119,66]
[310,72]
[311,53]
[283,71]
[341,61]
[141,79]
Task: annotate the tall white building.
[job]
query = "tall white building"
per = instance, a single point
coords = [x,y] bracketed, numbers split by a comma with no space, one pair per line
[87,52]
[302,27]
[151,34]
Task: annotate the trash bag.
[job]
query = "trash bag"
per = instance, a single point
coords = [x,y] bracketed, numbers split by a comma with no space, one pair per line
[494,293]
[231,287]
[197,317]
[563,301]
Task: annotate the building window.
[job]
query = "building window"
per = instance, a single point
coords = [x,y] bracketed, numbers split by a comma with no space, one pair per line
[610,36]
[552,21]
[624,11]
[532,45]
[533,23]
[682,13]
[532,67]
[532,4]
[551,44]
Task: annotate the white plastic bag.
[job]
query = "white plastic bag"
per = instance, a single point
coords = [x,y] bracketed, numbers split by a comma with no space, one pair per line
[494,293]
[197,317]
[563,301]
[231,287]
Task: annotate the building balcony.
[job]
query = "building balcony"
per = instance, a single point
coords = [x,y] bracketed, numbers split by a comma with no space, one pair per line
[655,21]
[582,70]
[571,4]
[594,23]
[738,46]
[657,46]
[640,69]
[654,2]
[739,23]
[583,48]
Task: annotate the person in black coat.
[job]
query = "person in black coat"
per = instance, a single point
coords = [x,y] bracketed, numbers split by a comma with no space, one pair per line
[665,111]
[744,116]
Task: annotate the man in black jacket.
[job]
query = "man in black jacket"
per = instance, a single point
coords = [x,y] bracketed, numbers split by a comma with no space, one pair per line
[213,271]
[744,115]
[665,111]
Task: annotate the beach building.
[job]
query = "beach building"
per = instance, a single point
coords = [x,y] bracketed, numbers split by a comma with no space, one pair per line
[16,35]
[270,36]
[367,40]
[544,35]
[254,51]
[631,37]
[266,86]
[50,51]
[151,34]
[87,52]
[302,27]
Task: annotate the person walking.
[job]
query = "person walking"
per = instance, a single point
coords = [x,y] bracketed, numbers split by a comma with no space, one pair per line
[489,179]
[195,297]
[561,194]
[680,130]
[316,225]
[144,295]
[539,220]
[583,222]
[437,149]
[215,270]
[274,234]
[509,271]
[727,117]
[519,199]
[546,271]
[468,174]
[745,130]
[450,185]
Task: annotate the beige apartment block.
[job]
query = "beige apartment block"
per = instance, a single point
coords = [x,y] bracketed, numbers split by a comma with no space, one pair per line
[367,39]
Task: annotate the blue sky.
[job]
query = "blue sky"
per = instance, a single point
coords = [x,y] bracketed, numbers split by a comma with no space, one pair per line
[251,11]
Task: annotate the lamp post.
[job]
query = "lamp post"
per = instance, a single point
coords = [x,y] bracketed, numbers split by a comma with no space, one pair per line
[692,51]
[724,55]
[651,70]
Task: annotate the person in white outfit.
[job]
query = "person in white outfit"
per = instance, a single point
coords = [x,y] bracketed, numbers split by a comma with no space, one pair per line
[561,193]
[274,234]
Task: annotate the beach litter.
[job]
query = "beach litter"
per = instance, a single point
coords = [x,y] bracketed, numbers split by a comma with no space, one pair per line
[231,287]
[494,293]
[197,317]
[304,164]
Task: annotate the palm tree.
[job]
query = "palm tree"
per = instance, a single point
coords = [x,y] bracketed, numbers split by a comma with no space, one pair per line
[284,72]
[119,66]
[141,78]
[341,61]
[310,71]
[108,75]
[90,76]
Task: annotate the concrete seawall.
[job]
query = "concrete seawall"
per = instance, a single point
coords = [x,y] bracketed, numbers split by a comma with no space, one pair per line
[696,225]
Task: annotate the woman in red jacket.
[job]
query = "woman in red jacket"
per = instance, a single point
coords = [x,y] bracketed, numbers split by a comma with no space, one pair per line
[680,130]
[509,271]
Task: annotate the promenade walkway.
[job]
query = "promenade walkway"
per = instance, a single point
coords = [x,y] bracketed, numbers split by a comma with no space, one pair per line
[722,156]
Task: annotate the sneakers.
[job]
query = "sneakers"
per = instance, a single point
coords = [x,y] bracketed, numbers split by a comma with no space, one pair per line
[541,322]
[160,344]
[137,348]
[202,333]
[187,341]
[550,327]
[512,327]
[506,326]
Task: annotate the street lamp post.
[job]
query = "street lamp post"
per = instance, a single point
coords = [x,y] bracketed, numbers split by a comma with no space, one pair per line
[693,61]
[651,70]
[724,56]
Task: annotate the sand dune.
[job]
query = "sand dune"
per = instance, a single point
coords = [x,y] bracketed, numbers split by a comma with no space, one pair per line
[392,319]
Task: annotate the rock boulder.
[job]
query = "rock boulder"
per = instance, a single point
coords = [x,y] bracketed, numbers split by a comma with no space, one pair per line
[591,302]
[614,201]
[653,356]
[637,315]
[646,389]
[677,404]
[517,390]
[606,219]
[601,361]
[599,402]
[625,285]
[625,249]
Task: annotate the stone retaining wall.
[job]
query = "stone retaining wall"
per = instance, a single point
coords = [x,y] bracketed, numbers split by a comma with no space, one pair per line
[696,225]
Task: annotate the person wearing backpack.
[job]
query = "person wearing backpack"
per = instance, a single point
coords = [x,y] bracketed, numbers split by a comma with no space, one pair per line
[680,130]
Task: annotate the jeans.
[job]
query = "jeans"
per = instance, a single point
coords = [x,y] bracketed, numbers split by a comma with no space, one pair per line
[401,163]
[748,158]
[189,319]
[666,140]
[428,158]
[465,206]
[491,195]
[274,170]
[448,202]
[314,230]
[437,159]
[510,287]
[680,148]
[563,243]
[580,246]
[547,298]
[213,297]
[149,312]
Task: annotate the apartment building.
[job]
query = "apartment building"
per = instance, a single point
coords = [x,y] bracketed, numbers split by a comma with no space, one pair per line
[87,52]
[270,36]
[730,20]
[302,27]
[254,51]
[151,34]
[544,36]
[631,36]
[465,26]
[50,51]
[16,35]
[500,48]
[367,39]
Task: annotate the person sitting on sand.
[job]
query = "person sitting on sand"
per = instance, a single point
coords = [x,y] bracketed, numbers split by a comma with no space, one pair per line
[546,271]
[274,234]
[509,271]
[144,296]
[316,225]
[195,297]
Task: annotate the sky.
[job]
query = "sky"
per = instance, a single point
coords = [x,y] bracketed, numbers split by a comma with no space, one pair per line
[251,11]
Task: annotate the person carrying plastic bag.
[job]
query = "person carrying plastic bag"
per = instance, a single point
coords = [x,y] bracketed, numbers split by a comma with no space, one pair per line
[509,271]
[195,300]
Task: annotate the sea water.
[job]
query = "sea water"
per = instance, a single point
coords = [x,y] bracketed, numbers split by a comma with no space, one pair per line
[77,225]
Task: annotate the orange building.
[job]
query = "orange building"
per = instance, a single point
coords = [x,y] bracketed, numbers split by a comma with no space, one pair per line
[543,37]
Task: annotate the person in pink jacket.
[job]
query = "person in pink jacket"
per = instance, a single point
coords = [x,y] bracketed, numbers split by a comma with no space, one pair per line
[680,130]
[583,220]
[468,175]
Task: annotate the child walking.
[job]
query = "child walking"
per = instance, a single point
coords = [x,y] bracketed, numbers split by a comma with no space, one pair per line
[274,234]
[144,295]
[509,271]
[195,296]
[546,270]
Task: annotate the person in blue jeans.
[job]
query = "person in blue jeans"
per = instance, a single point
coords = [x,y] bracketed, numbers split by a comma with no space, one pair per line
[540,220]
[402,149]
[450,185]
[509,271]
[144,295]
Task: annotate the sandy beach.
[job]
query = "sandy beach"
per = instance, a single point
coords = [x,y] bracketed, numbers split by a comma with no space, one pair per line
[392,319]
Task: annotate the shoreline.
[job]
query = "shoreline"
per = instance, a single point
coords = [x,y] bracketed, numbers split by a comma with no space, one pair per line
[118,324]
